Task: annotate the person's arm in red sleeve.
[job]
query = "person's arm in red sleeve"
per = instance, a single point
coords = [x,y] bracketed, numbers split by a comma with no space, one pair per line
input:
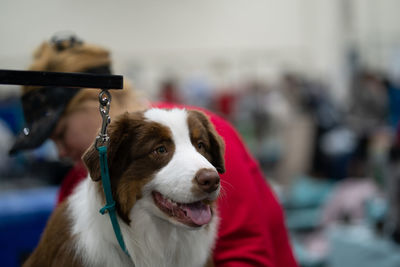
[252,231]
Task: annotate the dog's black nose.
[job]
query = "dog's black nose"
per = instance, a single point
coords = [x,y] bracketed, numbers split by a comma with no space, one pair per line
[207,180]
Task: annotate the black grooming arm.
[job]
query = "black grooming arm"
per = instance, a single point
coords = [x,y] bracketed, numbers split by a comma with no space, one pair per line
[61,79]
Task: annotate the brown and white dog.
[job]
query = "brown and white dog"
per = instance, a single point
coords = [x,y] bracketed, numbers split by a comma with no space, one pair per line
[163,167]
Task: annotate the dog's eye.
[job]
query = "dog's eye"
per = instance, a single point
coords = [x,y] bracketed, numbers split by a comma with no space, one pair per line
[200,145]
[161,150]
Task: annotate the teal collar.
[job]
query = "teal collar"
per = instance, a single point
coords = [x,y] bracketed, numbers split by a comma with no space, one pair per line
[110,203]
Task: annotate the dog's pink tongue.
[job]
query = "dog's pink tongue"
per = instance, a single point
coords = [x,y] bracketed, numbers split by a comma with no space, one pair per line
[198,212]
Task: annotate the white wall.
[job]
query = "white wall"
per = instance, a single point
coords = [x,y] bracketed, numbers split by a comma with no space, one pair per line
[141,28]
[223,39]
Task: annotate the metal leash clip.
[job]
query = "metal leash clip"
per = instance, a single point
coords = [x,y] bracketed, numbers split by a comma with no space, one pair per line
[104,108]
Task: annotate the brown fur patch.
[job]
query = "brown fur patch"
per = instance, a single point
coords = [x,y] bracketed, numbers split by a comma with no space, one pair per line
[206,140]
[133,157]
[56,246]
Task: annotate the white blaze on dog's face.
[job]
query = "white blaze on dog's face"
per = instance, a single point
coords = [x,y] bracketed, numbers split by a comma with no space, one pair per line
[166,160]
[185,187]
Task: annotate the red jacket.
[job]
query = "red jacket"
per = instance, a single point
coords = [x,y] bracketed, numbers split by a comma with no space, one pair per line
[252,230]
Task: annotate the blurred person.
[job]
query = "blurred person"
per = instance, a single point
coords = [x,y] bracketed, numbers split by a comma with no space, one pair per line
[169,91]
[393,95]
[351,197]
[393,188]
[368,115]
[261,115]
[349,200]
[224,103]
[252,230]
[369,103]
[6,138]
[197,91]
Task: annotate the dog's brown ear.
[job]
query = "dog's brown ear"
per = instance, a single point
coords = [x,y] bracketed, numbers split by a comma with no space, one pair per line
[217,148]
[216,142]
[116,132]
[91,160]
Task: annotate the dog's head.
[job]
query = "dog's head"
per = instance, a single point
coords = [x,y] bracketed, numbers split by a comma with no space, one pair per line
[167,159]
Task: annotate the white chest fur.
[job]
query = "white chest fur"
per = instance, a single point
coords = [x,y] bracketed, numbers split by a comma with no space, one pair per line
[151,241]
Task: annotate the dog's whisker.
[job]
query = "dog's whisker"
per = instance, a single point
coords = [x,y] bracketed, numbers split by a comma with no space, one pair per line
[225,184]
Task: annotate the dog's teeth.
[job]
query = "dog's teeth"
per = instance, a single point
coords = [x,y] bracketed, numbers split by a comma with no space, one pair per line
[171,201]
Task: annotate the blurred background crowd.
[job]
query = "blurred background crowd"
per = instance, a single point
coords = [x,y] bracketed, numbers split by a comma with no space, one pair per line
[313,86]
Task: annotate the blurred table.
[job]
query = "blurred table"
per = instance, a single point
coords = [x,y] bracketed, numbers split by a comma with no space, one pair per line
[23,215]
[359,246]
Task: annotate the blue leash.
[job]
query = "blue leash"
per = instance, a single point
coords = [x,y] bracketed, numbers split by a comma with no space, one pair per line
[110,203]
